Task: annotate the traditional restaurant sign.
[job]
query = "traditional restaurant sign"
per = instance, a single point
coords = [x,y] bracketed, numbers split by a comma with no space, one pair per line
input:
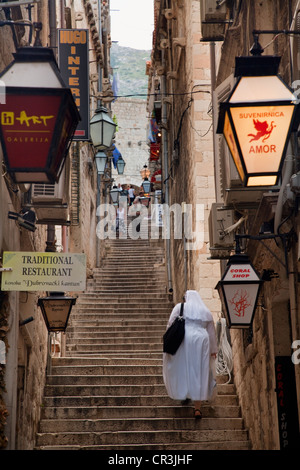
[53,272]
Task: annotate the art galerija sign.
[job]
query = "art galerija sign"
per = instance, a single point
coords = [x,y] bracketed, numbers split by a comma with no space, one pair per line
[31,271]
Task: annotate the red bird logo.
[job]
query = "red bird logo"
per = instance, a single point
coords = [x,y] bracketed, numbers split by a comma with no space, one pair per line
[262,130]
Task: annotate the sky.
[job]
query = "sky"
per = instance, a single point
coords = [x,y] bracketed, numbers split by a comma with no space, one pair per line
[132,23]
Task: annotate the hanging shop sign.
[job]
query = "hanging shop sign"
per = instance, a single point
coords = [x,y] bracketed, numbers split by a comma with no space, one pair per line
[38,118]
[238,290]
[257,120]
[39,271]
[73,53]
[154,152]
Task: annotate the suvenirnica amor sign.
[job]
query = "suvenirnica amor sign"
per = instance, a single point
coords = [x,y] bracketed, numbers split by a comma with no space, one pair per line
[53,272]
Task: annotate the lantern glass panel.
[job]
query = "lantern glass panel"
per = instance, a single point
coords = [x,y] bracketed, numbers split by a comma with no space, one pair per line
[114,194]
[146,186]
[56,312]
[102,130]
[230,139]
[241,302]
[261,88]
[101,160]
[121,166]
[262,132]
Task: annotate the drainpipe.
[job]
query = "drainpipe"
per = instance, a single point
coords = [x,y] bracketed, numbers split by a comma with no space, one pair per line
[52,23]
[165,174]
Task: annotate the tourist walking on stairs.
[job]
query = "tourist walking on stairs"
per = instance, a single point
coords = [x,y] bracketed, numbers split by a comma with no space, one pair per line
[188,373]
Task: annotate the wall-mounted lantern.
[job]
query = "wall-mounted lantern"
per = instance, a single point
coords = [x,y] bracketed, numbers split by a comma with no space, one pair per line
[257,120]
[101,160]
[146,184]
[121,165]
[238,290]
[56,310]
[115,194]
[102,129]
[145,172]
[38,118]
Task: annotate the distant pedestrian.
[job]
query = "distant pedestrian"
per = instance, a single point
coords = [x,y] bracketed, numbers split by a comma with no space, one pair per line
[131,195]
[120,220]
[188,374]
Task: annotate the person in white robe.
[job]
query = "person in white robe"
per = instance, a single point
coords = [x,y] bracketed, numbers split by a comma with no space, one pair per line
[188,373]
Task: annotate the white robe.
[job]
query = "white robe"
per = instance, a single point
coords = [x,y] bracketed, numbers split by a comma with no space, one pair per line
[188,373]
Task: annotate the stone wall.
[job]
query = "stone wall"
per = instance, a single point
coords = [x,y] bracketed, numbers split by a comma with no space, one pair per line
[276,323]
[192,174]
[131,138]
[23,370]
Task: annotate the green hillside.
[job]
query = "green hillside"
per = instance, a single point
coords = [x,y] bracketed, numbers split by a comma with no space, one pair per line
[130,65]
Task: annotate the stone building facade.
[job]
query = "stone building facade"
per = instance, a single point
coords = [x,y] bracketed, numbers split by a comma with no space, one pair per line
[266,368]
[131,139]
[24,345]
[180,80]
[191,73]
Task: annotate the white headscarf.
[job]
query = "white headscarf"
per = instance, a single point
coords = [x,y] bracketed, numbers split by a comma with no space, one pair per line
[195,308]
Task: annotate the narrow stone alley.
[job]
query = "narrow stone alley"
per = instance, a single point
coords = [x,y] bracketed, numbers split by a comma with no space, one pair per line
[108,392]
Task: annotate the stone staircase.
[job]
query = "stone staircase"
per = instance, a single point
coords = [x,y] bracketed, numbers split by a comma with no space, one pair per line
[108,392]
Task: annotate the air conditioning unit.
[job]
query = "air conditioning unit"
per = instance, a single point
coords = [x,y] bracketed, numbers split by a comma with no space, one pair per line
[213,15]
[50,202]
[229,186]
[221,243]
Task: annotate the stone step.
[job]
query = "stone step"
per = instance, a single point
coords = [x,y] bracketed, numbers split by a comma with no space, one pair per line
[112,339]
[118,390]
[102,315]
[113,323]
[140,355]
[177,447]
[100,289]
[125,401]
[102,360]
[197,437]
[104,370]
[130,309]
[117,347]
[131,379]
[144,424]
[124,412]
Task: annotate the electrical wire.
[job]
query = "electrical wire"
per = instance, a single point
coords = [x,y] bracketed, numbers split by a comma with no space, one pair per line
[164,94]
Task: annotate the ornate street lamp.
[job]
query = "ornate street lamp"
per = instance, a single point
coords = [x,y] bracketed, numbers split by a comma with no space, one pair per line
[101,160]
[257,120]
[102,129]
[56,310]
[38,118]
[146,184]
[145,172]
[114,194]
[238,290]
[121,165]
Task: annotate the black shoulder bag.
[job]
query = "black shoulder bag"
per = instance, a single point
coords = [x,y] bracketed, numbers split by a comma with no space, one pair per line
[174,335]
